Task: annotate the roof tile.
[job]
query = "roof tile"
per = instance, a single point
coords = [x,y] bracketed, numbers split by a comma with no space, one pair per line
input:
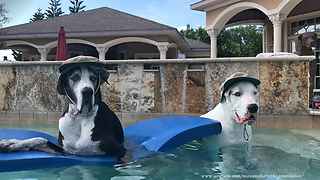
[96,20]
[194,44]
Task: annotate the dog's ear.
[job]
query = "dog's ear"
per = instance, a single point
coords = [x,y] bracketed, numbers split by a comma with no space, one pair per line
[68,89]
[315,36]
[227,94]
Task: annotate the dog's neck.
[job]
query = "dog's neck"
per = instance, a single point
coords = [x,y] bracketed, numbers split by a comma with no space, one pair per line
[73,111]
[306,51]
[232,131]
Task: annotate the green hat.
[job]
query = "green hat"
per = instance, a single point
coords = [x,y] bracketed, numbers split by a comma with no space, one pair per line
[236,77]
[92,62]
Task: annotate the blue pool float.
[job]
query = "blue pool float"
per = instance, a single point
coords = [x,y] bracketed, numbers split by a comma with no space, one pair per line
[154,136]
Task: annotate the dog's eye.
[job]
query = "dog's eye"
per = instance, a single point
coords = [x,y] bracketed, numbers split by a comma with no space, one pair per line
[255,93]
[237,94]
[93,78]
[74,78]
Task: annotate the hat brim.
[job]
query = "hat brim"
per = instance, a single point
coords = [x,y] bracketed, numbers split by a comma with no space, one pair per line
[68,66]
[229,83]
[254,81]
[96,66]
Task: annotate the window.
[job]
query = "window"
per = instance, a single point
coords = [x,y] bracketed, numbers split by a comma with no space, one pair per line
[317,78]
[293,46]
[307,25]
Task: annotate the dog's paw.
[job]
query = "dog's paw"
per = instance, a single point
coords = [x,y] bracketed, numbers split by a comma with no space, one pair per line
[7,146]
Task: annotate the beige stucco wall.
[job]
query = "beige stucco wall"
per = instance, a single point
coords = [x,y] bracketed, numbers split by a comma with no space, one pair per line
[269,4]
[212,15]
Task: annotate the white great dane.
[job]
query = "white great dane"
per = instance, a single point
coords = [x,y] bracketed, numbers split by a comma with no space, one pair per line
[238,108]
[236,112]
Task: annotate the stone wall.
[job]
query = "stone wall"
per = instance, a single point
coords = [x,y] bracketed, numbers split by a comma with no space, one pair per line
[27,90]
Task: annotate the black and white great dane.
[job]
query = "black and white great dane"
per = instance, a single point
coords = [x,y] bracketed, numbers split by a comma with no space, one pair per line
[88,126]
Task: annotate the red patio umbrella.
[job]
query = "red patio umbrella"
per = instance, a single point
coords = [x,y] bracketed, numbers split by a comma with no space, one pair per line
[62,50]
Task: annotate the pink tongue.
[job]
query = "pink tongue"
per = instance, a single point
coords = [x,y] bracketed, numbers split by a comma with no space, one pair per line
[241,121]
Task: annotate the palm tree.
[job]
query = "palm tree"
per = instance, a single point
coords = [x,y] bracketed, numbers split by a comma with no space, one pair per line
[76,6]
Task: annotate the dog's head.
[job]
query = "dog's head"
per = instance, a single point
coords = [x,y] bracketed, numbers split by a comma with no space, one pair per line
[240,94]
[80,80]
[306,40]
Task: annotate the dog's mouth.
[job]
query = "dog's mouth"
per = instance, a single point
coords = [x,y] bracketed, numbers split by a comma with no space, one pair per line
[249,119]
[85,106]
[86,110]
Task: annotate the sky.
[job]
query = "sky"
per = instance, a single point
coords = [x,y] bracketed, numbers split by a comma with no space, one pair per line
[174,13]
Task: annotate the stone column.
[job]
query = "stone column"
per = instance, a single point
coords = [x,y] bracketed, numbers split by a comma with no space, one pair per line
[102,52]
[43,53]
[213,33]
[163,48]
[277,20]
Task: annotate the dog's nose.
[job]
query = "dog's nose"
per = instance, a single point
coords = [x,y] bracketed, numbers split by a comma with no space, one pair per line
[253,108]
[87,92]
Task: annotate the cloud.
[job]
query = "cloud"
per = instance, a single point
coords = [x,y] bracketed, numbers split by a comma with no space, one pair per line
[182,28]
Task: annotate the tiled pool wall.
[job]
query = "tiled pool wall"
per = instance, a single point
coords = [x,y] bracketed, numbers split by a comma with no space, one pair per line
[27,90]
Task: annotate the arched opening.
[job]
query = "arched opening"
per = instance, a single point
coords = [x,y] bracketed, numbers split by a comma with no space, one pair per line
[133,50]
[222,19]
[28,53]
[76,49]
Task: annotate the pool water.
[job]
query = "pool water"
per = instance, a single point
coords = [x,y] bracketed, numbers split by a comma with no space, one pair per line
[273,153]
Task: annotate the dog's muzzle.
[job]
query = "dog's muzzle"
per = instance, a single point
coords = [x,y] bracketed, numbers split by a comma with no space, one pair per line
[87,98]
[253,108]
[250,116]
[87,93]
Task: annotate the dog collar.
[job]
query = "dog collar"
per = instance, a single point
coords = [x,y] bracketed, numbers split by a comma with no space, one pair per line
[72,101]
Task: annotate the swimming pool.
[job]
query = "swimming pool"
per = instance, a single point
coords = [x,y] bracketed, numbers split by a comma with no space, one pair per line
[285,153]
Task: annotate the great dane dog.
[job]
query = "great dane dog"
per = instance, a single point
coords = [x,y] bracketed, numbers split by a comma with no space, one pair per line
[236,112]
[88,126]
[238,108]
[304,44]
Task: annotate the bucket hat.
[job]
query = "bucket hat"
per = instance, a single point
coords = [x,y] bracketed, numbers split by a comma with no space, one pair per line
[90,61]
[236,77]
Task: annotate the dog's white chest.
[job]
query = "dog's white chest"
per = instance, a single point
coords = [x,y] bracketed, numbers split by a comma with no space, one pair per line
[77,135]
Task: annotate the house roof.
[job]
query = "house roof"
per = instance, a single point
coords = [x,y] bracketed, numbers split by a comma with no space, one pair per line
[97,20]
[207,5]
[196,45]
[102,21]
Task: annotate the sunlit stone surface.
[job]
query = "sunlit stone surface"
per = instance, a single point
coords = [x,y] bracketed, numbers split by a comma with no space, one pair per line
[174,89]
[284,88]
[30,88]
